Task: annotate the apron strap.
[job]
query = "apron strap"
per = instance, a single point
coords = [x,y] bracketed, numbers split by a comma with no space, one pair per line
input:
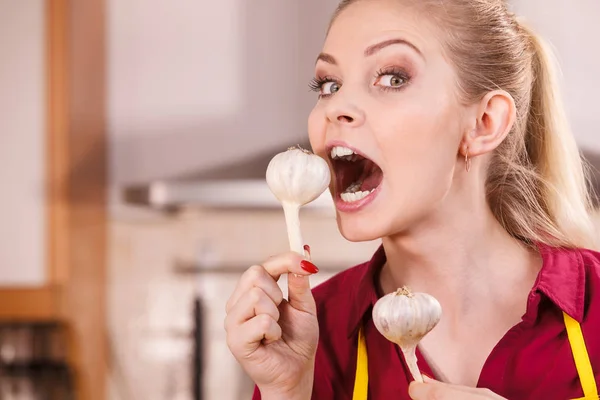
[581,357]
[361,381]
[578,348]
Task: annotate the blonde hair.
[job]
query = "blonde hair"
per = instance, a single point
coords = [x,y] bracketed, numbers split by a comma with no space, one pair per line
[537,184]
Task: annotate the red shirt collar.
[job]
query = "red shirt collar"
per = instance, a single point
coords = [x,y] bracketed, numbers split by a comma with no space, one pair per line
[561,279]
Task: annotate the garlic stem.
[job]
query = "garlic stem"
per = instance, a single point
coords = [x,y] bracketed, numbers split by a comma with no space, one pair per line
[292,221]
[410,356]
[296,177]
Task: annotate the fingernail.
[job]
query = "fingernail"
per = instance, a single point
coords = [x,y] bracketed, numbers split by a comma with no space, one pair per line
[309,267]
[427,378]
[307,251]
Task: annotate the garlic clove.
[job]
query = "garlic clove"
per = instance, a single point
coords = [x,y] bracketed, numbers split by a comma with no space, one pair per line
[405,318]
[298,176]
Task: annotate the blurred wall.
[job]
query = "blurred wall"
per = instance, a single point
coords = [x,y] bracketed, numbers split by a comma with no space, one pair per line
[22,147]
[196,84]
[572,28]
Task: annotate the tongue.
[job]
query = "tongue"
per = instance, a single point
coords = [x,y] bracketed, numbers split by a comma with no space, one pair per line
[371,177]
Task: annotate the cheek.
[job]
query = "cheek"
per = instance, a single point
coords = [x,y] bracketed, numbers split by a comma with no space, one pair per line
[420,149]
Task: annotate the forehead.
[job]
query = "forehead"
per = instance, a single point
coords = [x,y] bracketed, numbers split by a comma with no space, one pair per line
[367,21]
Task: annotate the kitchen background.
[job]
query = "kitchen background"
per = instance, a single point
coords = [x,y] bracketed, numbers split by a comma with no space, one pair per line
[193,99]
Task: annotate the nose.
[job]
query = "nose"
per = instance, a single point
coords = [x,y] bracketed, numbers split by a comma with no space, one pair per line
[342,112]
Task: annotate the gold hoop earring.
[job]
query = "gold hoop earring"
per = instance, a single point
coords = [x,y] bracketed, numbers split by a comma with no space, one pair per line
[467,160]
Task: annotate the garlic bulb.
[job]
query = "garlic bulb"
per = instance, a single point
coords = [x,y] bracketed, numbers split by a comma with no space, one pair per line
[405,318]
[297,177]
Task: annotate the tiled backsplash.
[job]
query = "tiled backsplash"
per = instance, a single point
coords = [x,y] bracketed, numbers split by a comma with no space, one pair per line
[150,306]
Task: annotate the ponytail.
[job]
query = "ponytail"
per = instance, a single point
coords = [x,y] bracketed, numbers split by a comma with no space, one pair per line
[564,186]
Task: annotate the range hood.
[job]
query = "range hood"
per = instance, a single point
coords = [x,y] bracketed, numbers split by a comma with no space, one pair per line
[239,185]
[242,185]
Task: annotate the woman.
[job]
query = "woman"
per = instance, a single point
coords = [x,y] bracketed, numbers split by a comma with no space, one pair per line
[465,169]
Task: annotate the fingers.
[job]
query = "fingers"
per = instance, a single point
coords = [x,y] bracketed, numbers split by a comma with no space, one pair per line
[250,320]
[307,252]
[289,262]
[252,310]
[255,276]
[299,291]
[435,390]
[266,275]
[253,303]
[244,340]
[431,391]
[426,391]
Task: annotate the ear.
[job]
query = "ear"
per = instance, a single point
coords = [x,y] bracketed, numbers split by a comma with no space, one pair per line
[495,117]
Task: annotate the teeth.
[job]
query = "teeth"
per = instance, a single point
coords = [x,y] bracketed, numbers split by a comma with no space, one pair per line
[353,193]
[340,151]
[355,187]
[352,197]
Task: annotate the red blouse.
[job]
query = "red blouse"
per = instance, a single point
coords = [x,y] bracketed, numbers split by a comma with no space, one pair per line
[532,361]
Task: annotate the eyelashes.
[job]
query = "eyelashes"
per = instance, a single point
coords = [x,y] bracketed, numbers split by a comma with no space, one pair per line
[316,84]
[394,79]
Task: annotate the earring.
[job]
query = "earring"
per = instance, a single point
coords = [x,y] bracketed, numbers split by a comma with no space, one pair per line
[467,160]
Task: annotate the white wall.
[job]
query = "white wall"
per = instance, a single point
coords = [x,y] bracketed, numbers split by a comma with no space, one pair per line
[194,84]
[22,130]
[572,28]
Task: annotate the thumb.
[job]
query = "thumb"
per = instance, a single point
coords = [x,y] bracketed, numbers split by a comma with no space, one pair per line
[299,290]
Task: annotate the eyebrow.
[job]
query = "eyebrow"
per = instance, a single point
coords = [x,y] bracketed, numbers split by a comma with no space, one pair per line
[369,51]
[381,45]
[328,58]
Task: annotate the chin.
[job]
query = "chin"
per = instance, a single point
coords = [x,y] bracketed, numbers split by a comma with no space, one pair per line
[359,229]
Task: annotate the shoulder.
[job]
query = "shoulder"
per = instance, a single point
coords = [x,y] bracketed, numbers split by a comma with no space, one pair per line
[591,264]
[575,266]
[585,260]
[577,271]
[590,325]
[591,260]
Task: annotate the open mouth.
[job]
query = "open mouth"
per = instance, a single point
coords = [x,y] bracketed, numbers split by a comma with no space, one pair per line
[356,177]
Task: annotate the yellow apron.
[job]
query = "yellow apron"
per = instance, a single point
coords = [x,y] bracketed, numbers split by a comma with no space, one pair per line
[580,355]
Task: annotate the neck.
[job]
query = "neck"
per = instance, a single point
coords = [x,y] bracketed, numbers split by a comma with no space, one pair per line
[465,259]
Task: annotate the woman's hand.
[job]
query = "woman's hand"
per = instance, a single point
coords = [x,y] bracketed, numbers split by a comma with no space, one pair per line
[433,389]
[273,339]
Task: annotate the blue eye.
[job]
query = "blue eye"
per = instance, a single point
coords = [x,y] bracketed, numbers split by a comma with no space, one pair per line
[329,88]
[324,86]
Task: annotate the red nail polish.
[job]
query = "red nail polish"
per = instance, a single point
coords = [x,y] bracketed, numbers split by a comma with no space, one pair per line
[307,248]
[309,267]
